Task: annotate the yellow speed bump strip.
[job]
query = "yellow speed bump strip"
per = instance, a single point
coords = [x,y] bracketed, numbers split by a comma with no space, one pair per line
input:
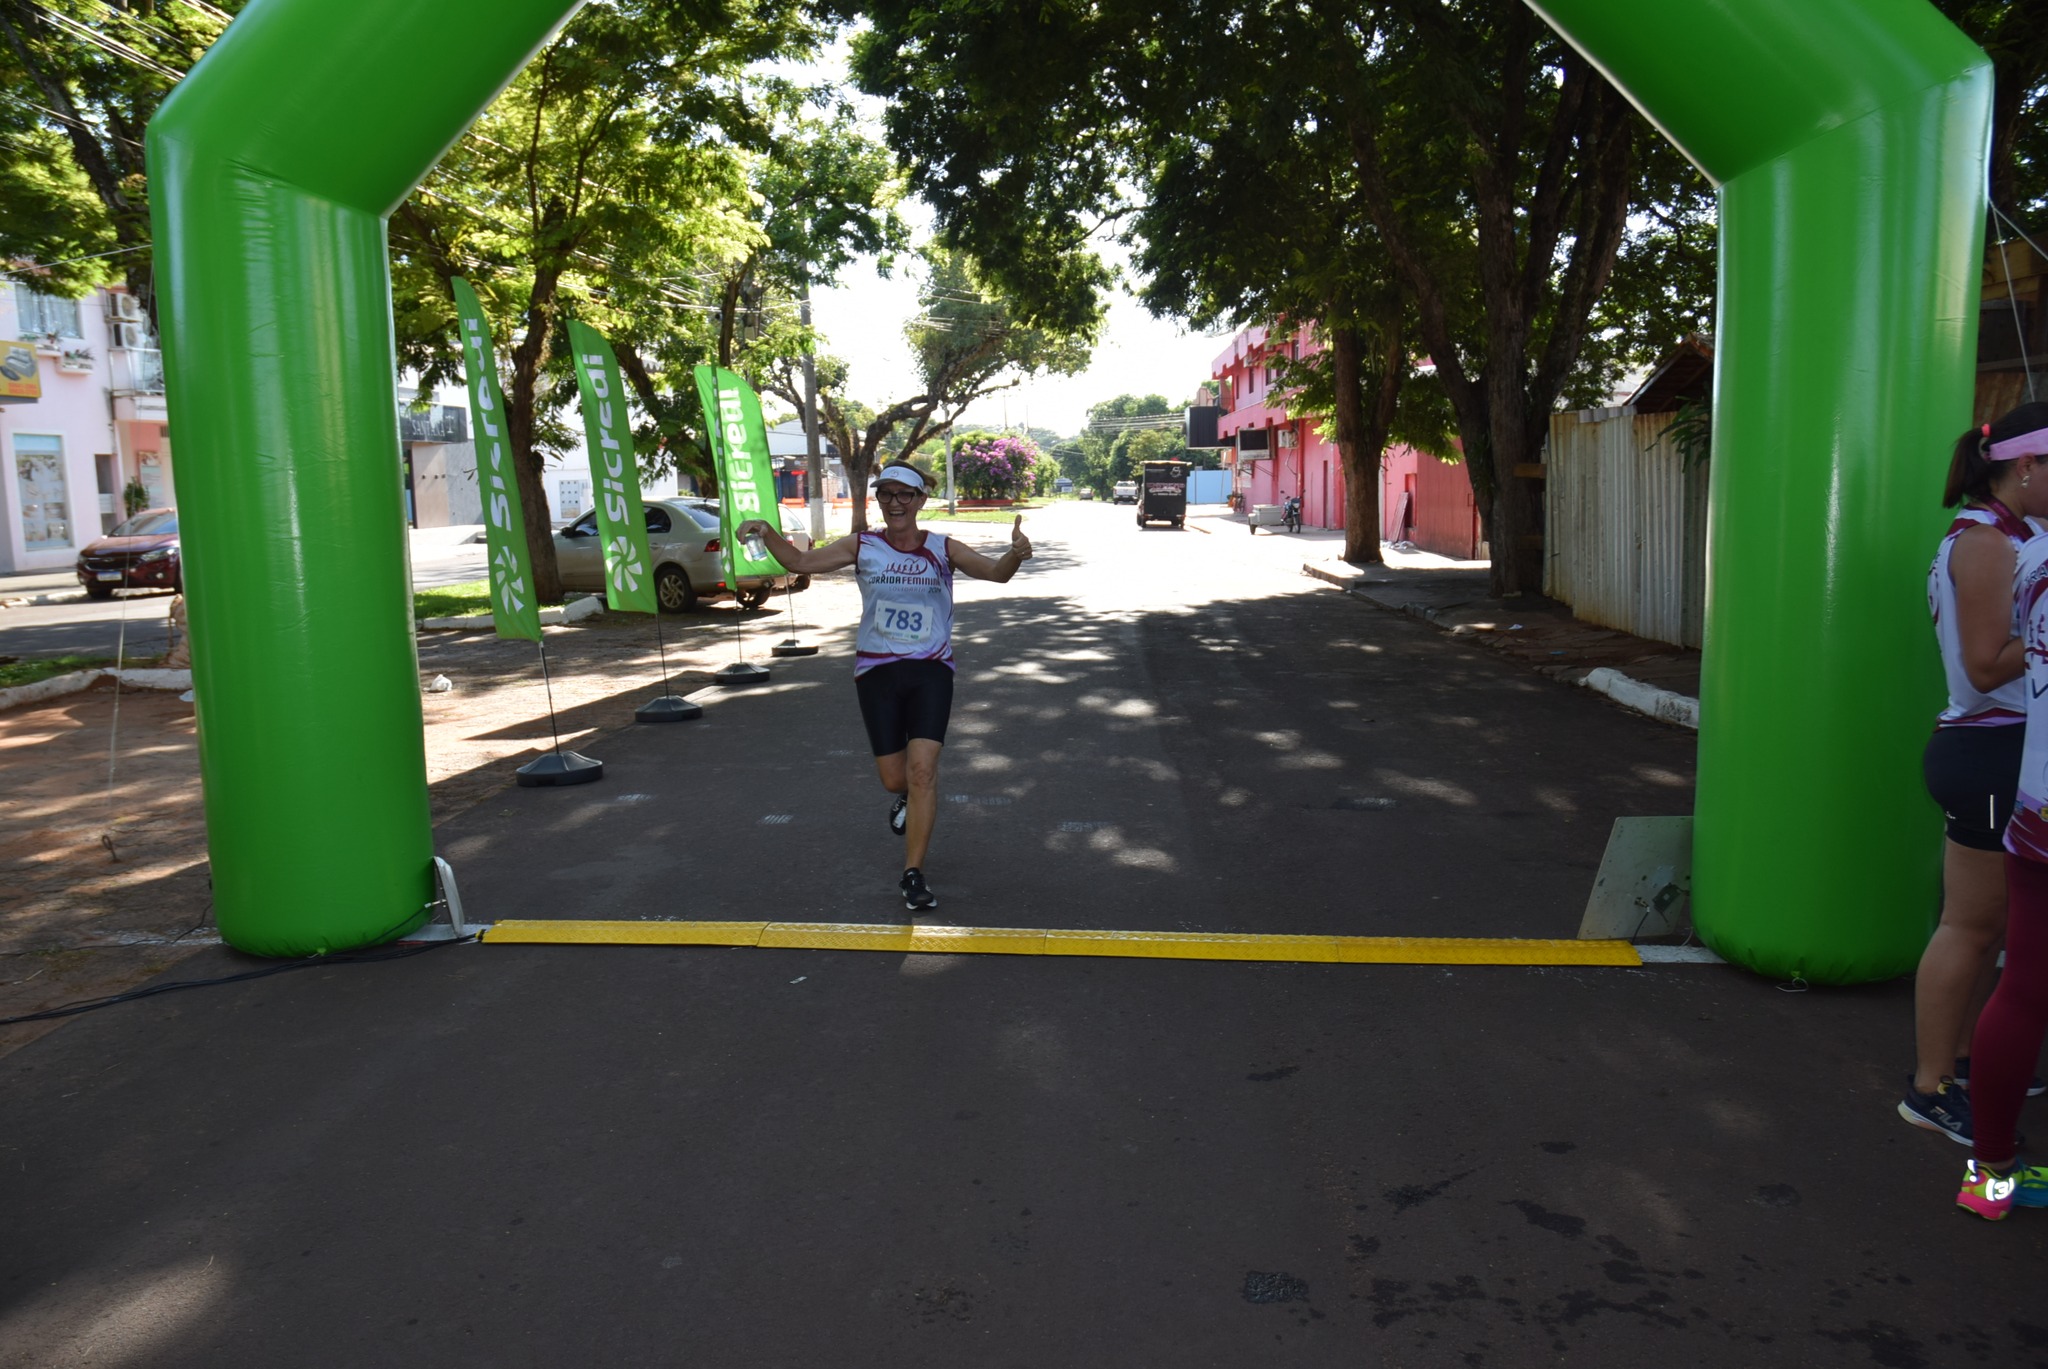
[867,936]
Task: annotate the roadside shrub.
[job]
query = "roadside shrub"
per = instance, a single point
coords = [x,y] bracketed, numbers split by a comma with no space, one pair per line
[987,466]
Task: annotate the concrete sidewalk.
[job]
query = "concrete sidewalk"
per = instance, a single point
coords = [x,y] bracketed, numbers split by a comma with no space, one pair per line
[1538,631]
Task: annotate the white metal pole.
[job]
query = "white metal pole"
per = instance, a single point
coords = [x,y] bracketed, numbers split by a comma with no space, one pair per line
[952,506]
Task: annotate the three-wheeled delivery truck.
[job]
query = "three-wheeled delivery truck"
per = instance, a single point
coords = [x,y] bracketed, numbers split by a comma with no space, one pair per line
[1163,493]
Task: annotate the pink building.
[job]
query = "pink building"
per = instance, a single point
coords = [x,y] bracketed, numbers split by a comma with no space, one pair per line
[1429,503]
[1422,500]
[1276,455]
[82,418]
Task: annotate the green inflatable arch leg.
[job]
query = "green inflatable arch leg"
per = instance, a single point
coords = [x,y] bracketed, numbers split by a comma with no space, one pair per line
[1848,141]
[273,168]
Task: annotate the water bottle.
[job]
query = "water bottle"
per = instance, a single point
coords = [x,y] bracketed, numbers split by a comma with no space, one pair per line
[757,548]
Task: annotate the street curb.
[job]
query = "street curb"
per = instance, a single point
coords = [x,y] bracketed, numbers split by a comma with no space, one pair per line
[575,611]
[57,685]
[39,600]
[1662,704]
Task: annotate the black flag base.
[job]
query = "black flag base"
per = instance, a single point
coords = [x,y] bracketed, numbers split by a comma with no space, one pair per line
[790,646]
[669,708]
[558,768]
[741,673]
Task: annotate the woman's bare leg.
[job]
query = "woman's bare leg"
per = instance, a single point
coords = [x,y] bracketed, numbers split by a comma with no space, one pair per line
[923,770]
[1945,990]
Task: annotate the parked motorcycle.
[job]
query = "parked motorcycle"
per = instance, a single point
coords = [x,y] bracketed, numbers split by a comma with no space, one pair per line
[1290,513]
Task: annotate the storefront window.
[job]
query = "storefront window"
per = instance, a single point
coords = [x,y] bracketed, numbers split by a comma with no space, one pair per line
[45,511]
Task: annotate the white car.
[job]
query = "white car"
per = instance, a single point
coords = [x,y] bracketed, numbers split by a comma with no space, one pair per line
[1126,492]
[682,537]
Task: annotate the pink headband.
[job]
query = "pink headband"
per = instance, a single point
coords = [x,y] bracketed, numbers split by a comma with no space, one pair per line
[2034,443]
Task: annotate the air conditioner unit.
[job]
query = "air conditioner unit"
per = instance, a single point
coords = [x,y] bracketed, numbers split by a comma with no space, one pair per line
[132,336]
[126,306]
[1285,438]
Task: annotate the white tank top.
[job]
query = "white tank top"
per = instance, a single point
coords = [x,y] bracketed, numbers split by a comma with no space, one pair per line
[906,603]
[1967,705]
[2027,834]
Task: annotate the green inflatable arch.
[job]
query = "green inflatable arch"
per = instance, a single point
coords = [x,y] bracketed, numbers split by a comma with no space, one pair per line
[1848,142]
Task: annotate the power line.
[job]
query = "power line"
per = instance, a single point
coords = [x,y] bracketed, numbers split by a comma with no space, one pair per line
[69,261]
[67,119]
[100,40]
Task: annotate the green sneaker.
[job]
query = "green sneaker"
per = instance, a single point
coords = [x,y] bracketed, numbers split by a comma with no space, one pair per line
[1991,1194]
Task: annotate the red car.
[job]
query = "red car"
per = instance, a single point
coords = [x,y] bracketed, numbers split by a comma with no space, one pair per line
[141,553]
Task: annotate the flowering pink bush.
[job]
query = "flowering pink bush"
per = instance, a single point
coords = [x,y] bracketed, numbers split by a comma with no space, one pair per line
[990,467]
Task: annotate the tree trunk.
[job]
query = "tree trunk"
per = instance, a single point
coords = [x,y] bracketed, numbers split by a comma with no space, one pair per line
[857,487]
[1516,537]
[1362,435]
[528,358]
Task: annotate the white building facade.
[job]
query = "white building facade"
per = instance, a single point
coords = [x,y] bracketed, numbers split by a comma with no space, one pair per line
[83,426]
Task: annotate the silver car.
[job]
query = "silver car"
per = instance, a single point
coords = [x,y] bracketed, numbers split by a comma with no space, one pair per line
[682,537]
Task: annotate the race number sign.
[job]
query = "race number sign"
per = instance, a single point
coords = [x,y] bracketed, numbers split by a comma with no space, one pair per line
[514,611]
[608,433]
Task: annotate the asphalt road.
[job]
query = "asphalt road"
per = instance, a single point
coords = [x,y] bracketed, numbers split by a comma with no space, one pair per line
[613,1155]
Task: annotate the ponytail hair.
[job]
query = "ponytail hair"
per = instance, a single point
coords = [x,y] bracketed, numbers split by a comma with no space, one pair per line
[1971,470]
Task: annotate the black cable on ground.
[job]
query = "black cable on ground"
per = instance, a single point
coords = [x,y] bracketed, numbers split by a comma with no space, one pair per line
[87,1005]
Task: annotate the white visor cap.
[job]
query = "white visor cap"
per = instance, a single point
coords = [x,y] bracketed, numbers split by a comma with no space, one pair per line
[900,475]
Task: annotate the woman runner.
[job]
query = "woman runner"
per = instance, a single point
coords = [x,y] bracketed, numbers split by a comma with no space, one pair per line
[2008,1036]
[903,667]
[1972,762]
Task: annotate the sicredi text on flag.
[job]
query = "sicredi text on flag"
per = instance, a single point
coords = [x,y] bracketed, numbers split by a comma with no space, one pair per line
[614,482]
[508,582]
[746,496]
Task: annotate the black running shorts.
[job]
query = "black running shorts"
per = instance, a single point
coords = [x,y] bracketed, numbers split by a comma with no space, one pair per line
[905,699]
[1973,773]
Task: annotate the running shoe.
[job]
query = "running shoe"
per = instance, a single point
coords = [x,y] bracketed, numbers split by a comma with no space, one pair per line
[899,814]
[2035,1087]
[1946,1110]
[1986,1192]
[1991,1194]
[917,895]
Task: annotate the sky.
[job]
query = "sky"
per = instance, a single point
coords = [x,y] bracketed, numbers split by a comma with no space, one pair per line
[862,320]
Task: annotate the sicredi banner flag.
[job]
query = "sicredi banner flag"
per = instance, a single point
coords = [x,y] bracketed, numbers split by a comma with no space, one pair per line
[608,432]
[514,610]
[746,477]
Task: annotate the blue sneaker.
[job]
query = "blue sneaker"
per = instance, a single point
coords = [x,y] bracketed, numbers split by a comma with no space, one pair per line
[1946,1110]
[2035,1087]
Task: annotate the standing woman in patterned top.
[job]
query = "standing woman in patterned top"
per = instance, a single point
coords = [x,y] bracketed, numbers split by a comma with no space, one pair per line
[903,667]
[1972,761]
[2008,1036]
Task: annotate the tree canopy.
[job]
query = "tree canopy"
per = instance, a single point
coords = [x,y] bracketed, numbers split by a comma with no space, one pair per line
[966,344]
[79,82]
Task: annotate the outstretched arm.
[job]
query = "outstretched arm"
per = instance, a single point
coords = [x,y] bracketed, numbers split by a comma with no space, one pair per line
[966,558]
[816,561]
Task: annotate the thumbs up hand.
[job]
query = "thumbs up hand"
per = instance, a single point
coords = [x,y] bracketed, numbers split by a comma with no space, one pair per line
[1020,545]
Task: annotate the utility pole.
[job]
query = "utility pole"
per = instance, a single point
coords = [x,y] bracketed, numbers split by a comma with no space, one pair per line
[814,469]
